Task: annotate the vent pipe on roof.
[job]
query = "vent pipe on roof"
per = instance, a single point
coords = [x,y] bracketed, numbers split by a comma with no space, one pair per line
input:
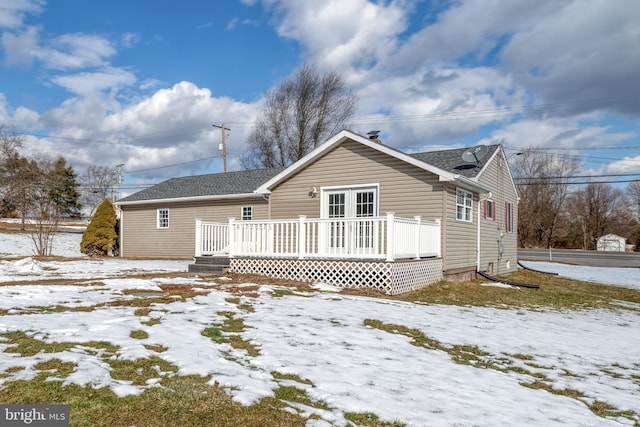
[373,135]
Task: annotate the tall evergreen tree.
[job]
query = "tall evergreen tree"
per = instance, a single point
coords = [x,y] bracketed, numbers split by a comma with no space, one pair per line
[63,189]
[24,176]
[99,239]
[10,142]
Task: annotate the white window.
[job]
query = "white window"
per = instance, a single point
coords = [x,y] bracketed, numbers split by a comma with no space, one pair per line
[464,205]
[350,202]
[163,218]
[247,213]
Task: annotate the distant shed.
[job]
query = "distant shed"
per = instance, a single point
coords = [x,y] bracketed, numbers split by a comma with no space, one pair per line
[612,243]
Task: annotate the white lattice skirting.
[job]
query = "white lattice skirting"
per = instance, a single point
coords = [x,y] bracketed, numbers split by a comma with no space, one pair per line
[389,277]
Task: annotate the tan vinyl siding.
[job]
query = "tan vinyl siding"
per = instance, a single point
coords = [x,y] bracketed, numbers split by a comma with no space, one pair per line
[404,189]
[459,237]
[496,176]
[142,238]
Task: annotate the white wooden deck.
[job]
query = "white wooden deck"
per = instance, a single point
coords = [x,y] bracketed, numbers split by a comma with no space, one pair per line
[387,253]
[387,238]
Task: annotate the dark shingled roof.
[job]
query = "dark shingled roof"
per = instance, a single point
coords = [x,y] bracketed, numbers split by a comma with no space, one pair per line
[451,160]
[246,182]
[218,184]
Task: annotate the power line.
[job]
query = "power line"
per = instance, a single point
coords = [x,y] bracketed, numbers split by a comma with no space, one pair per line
[384,119]
[579,176]
[168,166]
[593,159]
[580,183]
[604,147]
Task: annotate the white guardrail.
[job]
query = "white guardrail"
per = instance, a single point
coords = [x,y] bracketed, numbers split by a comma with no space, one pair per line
[384,237]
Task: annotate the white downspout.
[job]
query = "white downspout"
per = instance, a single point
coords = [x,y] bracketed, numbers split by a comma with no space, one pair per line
[480,200]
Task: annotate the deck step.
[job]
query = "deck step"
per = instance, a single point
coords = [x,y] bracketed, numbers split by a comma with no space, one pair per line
[210,265]
[208,260]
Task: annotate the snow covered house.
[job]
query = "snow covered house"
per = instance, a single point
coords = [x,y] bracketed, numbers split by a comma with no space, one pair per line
[611,243]
[353,212]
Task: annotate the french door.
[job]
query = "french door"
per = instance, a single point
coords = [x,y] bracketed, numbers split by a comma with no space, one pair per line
[345,233]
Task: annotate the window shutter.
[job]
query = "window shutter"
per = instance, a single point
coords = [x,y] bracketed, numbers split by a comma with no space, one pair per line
[485,208]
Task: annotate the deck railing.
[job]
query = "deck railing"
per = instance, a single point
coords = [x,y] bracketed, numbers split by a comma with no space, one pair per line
[385,237]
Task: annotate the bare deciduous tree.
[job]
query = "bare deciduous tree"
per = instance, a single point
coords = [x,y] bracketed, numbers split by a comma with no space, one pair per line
[44,209]
[633,194]
[300,113]
[633,197]
[543,185]
[595,209]
[97,182]
[9,141]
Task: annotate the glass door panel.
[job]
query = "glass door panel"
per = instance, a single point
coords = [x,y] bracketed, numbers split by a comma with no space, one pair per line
[364,206]
[343,234]
[337,210]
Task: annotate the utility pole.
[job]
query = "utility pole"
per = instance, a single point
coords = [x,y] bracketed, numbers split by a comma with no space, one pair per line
[223,144]
[119,171]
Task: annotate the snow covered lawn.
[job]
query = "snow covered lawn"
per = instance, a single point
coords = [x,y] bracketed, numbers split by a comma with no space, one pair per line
[414,363]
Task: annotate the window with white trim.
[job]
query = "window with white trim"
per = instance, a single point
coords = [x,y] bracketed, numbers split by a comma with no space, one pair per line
[464,205]
[247,213]
[489,209]
[163,218]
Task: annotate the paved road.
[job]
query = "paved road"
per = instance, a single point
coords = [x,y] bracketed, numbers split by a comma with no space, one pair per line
[578,257]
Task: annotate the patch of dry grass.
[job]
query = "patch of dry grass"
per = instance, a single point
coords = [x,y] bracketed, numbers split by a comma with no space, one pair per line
[185,401]
[230,332]
[555,292]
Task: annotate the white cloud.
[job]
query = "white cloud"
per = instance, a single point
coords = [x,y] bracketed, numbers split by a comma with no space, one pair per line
[626,165]
[338,34]
[73,51]
[556,133]
[129,39]
[469,28]
[69,51]
[236,21]
[469,66]
[20,49]
[147,84]
[25,118]
[91,82]
[13,12]
[581,51]
[203,26]
[170,127]
[435,105]
[472,66]
[232,24]
[21,118]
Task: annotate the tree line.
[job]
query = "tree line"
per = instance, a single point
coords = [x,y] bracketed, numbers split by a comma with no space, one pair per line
[555,213]
[42,191]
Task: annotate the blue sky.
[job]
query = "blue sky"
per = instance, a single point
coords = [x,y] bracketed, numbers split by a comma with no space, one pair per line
[142,82]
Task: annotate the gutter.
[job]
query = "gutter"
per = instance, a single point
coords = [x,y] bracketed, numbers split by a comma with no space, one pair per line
[189,199]
[480,199]
[470,183]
